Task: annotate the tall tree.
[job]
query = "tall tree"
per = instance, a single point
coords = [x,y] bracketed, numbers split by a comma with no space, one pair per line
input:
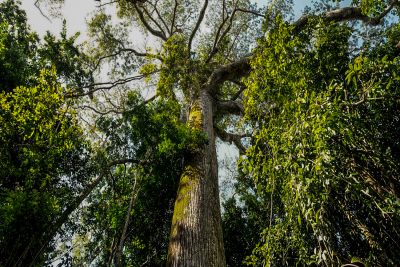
[185,63]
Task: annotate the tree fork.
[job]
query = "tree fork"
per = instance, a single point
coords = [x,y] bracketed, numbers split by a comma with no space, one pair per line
[196,233]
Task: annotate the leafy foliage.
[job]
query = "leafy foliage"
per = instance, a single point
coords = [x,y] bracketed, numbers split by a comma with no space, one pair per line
[43,164]
[153,136]
[325,150]
[17,47]
[23,56]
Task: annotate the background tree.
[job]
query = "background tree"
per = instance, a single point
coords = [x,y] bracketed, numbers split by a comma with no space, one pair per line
[326,142]
[44,160]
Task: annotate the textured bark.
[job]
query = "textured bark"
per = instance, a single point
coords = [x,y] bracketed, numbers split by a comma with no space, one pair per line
[196,233]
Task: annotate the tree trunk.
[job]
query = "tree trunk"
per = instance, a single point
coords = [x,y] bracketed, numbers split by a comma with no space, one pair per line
[196,233]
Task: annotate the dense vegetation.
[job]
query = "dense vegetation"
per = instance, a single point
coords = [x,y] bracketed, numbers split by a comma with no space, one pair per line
[96,173]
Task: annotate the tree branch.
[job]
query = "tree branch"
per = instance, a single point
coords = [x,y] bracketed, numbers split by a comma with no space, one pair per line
[141,54]
[48,236]
[174,17]
[232,138]
[242,87]
[214,50]
[242,67]
[154,21]
[105,86]
[160,17]
[219,37]
[108,3]
[41,12]
[116,111]
[118,254]
[99,111]
[229,107]
[146,24]
[200,19]
[125,50]
[232,71]
[347,13]
[250,12]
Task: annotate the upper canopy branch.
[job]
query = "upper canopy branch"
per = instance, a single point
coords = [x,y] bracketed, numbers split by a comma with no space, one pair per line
[128,51]
[227,23]
[160,16]
[37,5]
[150,16]
[241,67]
[218,35]
[174,17]
[105,86]
[142,18]
[196,27]
[347,13]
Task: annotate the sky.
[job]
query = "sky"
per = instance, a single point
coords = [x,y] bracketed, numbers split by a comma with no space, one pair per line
[75,12]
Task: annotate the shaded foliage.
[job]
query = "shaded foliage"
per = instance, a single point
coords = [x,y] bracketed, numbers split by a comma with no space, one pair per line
[43,165]
[23,56]
[44,160]
[326,145]
[154,136]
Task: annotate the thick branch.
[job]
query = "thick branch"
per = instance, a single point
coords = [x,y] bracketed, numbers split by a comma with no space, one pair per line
[229,107]
[218,38]
[233,71]
[154,21]
[232,138]
[141,54]
[241,68]
[347,13]
[200,19]
[159,16]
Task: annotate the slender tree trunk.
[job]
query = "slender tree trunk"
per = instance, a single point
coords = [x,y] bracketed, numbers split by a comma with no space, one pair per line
[196,233]
[120,248]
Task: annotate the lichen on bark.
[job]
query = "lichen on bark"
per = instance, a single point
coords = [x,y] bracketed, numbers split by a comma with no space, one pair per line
[196,117]
[189,179]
